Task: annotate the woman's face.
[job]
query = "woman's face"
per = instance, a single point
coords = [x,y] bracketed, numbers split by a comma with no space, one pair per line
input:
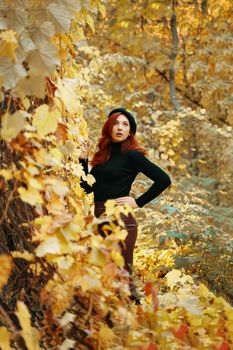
[121,129]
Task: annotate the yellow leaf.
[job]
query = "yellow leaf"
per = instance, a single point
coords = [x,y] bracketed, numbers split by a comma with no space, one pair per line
[118,258]
[53,157]
[33,182]
[5,269]
[6,173]
[29,334]
[204,291]
[12,124]
[110,207]
[66,92]
[4,339]
[26,103]
[173,278]
[66,319]
[45,121]
[23,255]
[189,301]
[119,233]
[97,257]
[106,334]
[90,22]
[64,262]
[30,195]
[102,10]
[68,148]
[8,43]
[50,246]
[67,344]
[89,283]
[31,169]
[58,186]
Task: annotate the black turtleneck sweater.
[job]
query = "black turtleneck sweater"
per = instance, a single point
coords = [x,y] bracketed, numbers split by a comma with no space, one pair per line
[114,178]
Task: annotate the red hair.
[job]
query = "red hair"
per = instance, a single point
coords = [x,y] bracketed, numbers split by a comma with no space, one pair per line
[102,155]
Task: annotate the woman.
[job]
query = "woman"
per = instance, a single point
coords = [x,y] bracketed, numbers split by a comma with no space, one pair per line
[115,166]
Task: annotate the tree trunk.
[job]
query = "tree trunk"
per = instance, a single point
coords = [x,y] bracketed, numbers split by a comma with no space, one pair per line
[175,43]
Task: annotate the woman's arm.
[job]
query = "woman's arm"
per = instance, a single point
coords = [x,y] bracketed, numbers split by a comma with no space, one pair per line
[161,180]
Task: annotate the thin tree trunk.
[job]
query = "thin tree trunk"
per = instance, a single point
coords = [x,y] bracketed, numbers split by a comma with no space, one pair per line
[204,7]
[175,43]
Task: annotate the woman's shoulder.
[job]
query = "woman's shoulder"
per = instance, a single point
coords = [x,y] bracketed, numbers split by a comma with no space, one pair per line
[135,154]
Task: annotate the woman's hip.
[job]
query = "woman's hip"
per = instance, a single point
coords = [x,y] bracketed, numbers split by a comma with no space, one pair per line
[129,220]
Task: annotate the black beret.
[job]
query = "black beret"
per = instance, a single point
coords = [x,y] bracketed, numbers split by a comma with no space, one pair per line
[132,121]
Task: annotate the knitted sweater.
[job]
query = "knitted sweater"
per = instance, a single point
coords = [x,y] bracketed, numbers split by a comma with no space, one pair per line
[114,178]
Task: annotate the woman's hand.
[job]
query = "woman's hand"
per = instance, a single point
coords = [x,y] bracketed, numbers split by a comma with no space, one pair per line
[85,150]
[129,200]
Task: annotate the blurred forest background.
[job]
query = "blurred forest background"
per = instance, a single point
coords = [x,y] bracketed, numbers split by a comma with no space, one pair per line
[63,66]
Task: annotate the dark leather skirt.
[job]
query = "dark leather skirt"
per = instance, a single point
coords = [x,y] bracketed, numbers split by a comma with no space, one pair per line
[130,225]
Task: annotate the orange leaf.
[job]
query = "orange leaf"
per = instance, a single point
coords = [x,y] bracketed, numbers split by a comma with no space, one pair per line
[155,300]
[223,346]
[148,288]
[51,86]
[220,331]
[61,132]
[181,331]
[139,309]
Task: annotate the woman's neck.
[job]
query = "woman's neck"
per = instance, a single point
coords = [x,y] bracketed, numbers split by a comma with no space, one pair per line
[115,147]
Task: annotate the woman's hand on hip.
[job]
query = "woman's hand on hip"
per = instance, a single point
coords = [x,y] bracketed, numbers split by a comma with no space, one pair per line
[127,200]
[85,150]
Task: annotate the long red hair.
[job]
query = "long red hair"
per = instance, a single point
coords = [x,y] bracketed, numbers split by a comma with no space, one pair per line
[102,155]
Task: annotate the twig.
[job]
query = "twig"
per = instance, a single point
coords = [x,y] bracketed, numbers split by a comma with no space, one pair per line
[8,203]
[86,317]
[8,319]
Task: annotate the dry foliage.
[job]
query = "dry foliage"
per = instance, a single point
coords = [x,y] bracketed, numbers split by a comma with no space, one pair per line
[62,284]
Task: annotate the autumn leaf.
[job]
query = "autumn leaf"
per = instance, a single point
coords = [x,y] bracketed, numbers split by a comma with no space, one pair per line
[31,195]
[23,255]
[50,246]
[6,173]
[45,121]
[4,339]
[173,277]
[223,346]
[118,258]
[150,346]
[61,132]
[181,331]
[8,44]
[29,333]
[90,22]
[148,288]
[12,124]
[106,334]
[5,269]
[66,92]
[102,10]
[67,344]
[10,73]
